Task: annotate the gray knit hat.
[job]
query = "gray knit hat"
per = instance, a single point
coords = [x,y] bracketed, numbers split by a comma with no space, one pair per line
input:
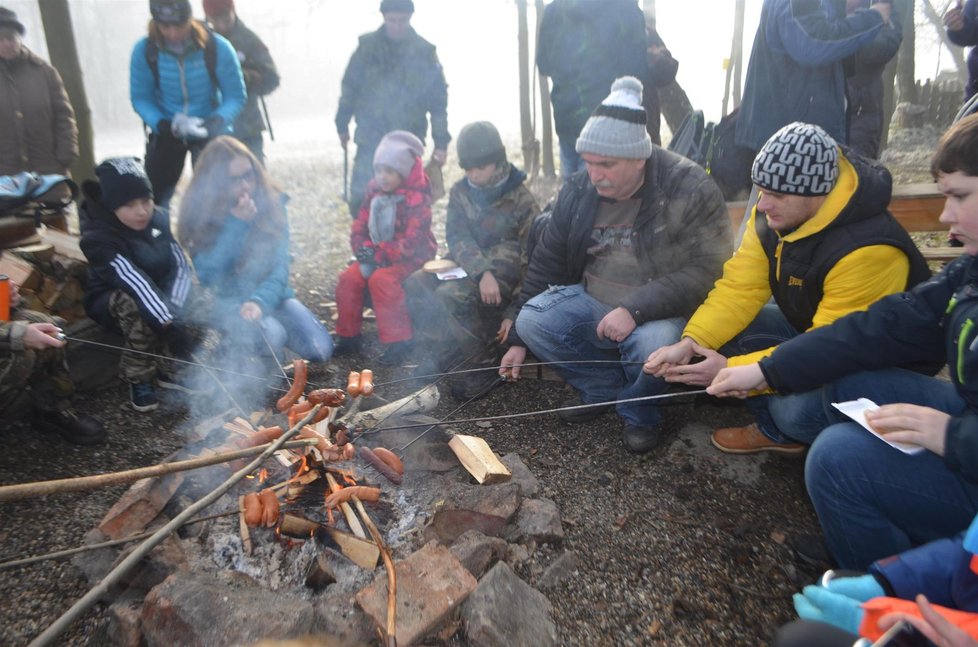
[9,19]
[616,128]
[479,144]
[800,159]
[398,150]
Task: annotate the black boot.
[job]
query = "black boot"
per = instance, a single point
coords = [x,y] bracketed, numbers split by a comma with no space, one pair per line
[396,354]
[72,427]
[346,346]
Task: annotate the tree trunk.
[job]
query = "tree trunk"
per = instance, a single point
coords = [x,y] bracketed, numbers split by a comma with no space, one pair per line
[738,62]
[906,80]
[546,128]
[60,37]
[903,10]
[957,53]
[675,105]
[527,138]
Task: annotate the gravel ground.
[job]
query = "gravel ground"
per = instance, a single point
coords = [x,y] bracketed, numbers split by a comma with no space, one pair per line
[685,546]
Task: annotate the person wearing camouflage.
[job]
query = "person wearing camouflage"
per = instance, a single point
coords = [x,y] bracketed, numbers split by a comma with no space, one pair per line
[489,216]
[32,358]
[393,81]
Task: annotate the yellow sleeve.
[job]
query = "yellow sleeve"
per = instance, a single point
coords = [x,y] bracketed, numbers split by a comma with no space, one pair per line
[857,281]
[736,297]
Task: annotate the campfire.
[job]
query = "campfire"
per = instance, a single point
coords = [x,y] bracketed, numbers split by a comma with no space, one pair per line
[360,523]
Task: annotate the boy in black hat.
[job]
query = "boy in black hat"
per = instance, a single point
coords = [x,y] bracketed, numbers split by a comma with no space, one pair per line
[139,279]
[490,211]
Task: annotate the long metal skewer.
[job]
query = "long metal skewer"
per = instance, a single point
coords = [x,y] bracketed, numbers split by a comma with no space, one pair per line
[272,351]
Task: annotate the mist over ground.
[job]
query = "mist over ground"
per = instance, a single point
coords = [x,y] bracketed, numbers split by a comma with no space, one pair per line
[312,40]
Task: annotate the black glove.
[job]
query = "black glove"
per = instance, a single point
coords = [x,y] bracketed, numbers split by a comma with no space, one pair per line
[163,127]
[214,126]
[180,342]
[365,255]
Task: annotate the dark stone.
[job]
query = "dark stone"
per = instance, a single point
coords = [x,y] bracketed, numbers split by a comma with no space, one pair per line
[504,610]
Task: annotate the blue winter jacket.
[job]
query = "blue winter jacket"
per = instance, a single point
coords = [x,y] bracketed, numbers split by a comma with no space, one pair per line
[795,71]
[263,277]
[185,84]
[968,37]
[940,569]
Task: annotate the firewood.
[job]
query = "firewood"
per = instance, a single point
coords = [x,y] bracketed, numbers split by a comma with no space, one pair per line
[64,244]
[351,518]
[479,460]
[421,401]
[21,272]
[36,253]
[361,552]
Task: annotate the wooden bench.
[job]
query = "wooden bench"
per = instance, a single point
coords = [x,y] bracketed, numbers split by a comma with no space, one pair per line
[915,206]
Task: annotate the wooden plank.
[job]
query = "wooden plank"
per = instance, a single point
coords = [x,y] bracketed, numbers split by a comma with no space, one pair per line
[941,253]
[21,272]
[479,460]
[64,244]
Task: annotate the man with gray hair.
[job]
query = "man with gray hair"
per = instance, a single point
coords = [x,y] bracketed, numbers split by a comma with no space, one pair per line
[631,247]
[821,242]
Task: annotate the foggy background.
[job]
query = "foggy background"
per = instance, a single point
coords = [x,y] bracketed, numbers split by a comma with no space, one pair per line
[312,40]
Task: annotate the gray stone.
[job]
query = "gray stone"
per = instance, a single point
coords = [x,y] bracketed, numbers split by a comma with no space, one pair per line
[522,475]
[539,520]
[192,608]
[337,615]
[501,500]
[504,610]
[559,571]
[478,552]
[124,629]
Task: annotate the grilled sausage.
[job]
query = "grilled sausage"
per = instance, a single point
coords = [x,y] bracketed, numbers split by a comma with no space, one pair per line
[389,472]
[298,386]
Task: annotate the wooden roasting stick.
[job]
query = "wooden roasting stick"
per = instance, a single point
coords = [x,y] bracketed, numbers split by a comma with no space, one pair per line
[385,553]
[42,488]
[351,517]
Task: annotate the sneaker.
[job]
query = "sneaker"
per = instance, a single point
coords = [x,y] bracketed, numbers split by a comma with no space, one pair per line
[641,440]
[194,384]
[395,354]
[72,427]
[346,346]
[142,396]
[750,440]
[577,416]
[476,385]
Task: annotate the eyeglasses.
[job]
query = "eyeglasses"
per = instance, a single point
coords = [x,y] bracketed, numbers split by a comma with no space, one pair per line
[248,177]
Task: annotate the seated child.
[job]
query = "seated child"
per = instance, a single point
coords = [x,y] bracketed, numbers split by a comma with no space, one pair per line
[138,277]
[32,357]
[234,224]
[489,216]
[391,238]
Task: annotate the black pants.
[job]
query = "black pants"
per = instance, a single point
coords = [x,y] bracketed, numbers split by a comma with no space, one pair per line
[165,156]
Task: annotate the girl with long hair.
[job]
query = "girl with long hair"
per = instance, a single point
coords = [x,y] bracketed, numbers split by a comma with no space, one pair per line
[233,223]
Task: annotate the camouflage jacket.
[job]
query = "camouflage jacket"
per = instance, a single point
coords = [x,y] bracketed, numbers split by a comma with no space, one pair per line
[394,85]
[492,237]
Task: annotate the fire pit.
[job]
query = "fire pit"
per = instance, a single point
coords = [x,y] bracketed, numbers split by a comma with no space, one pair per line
[435,550]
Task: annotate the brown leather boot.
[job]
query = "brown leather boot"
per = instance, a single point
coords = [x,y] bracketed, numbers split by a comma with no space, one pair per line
[750,440]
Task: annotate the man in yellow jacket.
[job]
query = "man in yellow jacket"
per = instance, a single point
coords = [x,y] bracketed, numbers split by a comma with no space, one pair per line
[820,242]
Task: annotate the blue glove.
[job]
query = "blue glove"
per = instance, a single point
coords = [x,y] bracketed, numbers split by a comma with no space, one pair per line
[861,588]
[821,605]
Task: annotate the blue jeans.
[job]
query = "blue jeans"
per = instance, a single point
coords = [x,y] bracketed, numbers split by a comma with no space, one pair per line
[799,417]
[872,500]
[561,325]
[570,161]
[291,324]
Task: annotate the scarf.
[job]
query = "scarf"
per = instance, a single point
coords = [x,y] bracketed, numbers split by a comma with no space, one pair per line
[383,213]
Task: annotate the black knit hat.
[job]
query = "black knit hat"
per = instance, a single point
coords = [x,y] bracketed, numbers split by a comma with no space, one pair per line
[478,145]
[800,159]
[396,6]
[9,19]
[173,12]
[123,179]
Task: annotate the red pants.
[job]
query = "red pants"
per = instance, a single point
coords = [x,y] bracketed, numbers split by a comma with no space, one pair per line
[386,294]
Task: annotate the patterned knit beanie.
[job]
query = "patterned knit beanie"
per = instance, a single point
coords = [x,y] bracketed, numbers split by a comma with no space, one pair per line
[123,180]
[479,144]
[616,128]
[398,150]
[800,159]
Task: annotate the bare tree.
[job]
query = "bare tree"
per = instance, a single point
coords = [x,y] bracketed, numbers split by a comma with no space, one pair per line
[957,53]
[905,78]
[528,141]
[735,64]
[60,37]
[547,130]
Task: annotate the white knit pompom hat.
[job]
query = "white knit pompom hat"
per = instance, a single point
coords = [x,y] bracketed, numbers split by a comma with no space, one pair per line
[616,128]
